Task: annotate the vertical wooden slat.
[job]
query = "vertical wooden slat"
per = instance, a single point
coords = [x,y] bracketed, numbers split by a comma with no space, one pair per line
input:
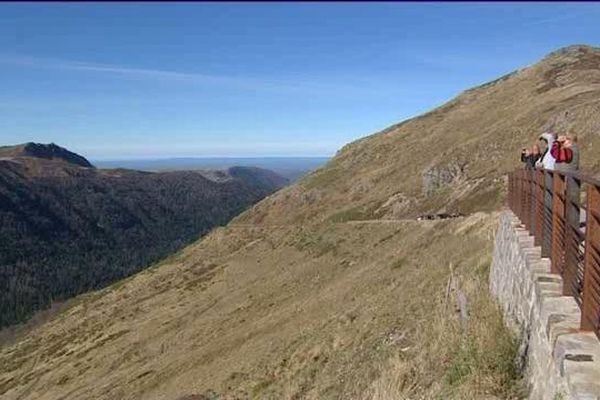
[532,200]
[572,238]
[524,197]
[511,190]
[539,205]
[547,214]
[557,252]
[526,200]
[519,195]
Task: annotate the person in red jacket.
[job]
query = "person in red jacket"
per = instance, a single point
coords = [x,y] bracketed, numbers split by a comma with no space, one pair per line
[566,153]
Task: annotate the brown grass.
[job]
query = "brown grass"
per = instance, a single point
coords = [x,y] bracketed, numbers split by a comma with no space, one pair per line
[346,310]
[449,365]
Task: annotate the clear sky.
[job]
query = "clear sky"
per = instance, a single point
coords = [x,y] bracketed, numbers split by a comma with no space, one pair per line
[191,79]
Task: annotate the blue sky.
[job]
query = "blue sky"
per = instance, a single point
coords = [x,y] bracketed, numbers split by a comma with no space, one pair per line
[191,79]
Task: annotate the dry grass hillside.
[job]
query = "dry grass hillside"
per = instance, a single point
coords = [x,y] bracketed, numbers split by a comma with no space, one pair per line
[329,289]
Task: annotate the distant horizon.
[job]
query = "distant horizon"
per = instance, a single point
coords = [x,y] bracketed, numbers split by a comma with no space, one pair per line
[289,167]
[173,157]
[167,158]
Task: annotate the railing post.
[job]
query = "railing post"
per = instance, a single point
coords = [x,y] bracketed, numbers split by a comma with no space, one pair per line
[514,192]
[519,195]
[557,252]
[547,214]
[510,191]
[539,208]
[572,236]
[590,308]
[523,197]
[532,201]
[527,199]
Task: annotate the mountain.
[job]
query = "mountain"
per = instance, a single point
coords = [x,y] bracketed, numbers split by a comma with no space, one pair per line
[331,288]
[44,151]
[67,227]
[455,157]
[291,168]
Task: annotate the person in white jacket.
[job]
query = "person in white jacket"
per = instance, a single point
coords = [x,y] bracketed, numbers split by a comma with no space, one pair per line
[547,161]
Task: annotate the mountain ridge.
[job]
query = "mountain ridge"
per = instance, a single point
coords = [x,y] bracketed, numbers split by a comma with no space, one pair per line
[50,151]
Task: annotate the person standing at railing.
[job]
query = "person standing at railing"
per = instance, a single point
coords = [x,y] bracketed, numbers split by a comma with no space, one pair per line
[546,160]
[566,153]
[530,157]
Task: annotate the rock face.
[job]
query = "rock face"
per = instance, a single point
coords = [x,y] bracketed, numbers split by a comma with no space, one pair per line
[396,206]
[442,175]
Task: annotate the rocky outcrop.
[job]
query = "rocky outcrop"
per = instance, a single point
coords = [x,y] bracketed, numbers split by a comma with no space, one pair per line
[396,206]
[442,175]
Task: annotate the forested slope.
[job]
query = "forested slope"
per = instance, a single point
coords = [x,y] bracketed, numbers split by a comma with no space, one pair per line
[66,228]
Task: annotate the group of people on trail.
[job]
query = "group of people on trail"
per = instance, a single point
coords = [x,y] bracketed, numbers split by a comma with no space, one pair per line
[553,152]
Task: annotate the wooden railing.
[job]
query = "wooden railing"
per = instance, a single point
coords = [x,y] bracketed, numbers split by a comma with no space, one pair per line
[562,212]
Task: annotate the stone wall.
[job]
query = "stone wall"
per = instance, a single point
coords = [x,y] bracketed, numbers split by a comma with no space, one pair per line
[560,361]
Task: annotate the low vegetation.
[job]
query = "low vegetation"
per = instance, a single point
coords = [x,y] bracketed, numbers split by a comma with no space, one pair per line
[481,362]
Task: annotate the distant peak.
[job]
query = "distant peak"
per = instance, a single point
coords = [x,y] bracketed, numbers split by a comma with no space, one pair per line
[49,151]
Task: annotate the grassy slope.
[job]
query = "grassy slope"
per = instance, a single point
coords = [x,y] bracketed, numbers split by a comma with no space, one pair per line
[295,299]
[273,313]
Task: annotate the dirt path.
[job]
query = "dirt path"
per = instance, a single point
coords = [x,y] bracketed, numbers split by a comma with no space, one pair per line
[351,222]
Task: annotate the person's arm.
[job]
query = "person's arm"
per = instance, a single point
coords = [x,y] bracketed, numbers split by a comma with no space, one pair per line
[523,157]
[567,155]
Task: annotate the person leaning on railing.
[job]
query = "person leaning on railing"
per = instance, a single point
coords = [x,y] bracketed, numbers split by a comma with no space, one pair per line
[546,160]
[566,153]
[530,157]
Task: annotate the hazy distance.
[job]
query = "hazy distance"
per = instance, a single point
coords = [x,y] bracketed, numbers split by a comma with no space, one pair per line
[291,168]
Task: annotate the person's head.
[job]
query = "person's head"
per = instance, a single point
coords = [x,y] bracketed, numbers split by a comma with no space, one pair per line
[561,139]
[535,149]
[570,140]
[542,143]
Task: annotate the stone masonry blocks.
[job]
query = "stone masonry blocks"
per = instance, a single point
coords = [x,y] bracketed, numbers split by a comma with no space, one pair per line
[562,361]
